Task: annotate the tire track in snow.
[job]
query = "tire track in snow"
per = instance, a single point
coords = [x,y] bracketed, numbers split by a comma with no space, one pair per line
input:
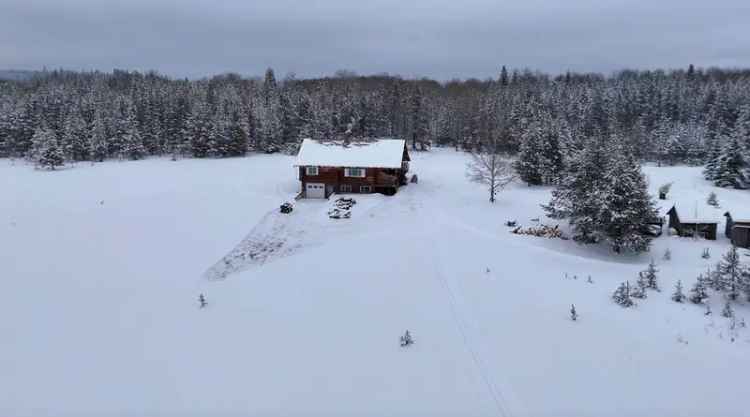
[498,399]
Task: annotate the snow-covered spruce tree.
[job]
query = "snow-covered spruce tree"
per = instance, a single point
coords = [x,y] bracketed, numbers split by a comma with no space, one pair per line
[628,206]
[742,127]
[699,293]
[419,121]
[529,163]
[197,131]
[604,196]
[75,137]
[678,296]
[639,290]
[237,145]
[732,168]
[491,168]
[52,156]
[132,144]
[579,195]
[729,272]
[622,296]
[45,149]
[98,139]
[727,311]
[541,158]
[218,137]
[651,277]
[713,279]
[713,159]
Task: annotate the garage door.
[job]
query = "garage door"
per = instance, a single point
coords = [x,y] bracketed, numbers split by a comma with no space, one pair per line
[315,190]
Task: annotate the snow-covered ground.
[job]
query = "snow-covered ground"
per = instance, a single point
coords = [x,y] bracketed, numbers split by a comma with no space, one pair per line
[102,266]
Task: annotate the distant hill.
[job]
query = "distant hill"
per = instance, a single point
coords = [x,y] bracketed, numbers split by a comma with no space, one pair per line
[16,75]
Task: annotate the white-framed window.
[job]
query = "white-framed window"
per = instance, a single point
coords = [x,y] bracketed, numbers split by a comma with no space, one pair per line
[312,170]
[345,188]
[354,172]
[365,189]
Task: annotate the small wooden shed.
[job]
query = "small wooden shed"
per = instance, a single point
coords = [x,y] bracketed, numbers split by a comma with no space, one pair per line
[738,231]
[692,227]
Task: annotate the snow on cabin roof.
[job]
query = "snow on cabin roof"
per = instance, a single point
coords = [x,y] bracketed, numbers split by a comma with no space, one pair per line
[383,153]
[689,220]
[684,219]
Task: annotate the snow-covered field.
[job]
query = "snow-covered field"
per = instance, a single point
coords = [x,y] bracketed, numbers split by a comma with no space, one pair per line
[102,266]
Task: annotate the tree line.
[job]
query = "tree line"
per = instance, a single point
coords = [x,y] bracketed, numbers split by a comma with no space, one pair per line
[681,116]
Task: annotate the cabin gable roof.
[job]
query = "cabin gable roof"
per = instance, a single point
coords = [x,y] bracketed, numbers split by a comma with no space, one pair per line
[382,153]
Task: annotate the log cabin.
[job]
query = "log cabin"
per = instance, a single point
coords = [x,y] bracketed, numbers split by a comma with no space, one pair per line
[378,166]
[692,227]
[738,231]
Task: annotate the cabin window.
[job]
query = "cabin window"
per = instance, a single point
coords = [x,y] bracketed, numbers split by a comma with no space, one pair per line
[354,172]
[311,171]
[345,188]
[365,189]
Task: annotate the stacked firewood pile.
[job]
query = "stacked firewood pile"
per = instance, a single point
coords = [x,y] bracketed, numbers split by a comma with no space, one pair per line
[342,208]
[543,230]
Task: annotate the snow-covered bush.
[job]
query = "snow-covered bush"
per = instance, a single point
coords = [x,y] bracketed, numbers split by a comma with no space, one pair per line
[712,200]
[664,190]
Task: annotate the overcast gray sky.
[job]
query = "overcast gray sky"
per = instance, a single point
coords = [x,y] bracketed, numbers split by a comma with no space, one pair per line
[435,38]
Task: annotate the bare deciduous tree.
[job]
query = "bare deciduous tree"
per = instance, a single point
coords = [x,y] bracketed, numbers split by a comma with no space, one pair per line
[491,168]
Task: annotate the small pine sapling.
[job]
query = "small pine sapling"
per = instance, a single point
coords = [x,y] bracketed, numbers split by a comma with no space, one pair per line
[713,279]
[639,290]
[202,301]
[406,339]
[729,273]
[573,313]
[727,311]
[621,295]
[650,276]
[678,296]
[698,292]
[712,200]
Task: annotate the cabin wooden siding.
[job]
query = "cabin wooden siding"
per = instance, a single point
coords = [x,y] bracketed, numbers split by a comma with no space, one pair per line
[335,177]
[729,230]
[741,236]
